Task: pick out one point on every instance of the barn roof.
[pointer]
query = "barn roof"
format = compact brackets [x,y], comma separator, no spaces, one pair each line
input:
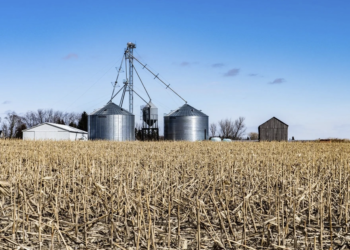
[61,126]
[276,119]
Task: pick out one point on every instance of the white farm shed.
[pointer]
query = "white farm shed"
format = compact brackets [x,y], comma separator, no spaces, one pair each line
[53,131]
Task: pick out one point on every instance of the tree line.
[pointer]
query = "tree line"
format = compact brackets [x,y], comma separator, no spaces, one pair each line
[12,125]
[235,130]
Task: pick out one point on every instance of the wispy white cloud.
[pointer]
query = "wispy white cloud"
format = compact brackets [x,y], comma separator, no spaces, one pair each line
[278,81]
[6,102]
[186,63]
[218,65]
[71,56]
[232,72]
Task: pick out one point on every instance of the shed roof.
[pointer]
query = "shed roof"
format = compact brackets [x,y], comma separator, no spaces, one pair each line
[186,110]
[111,109]
[61,126]
[275,119]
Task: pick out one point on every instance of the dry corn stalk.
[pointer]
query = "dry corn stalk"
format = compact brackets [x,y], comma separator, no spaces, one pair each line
[136,195]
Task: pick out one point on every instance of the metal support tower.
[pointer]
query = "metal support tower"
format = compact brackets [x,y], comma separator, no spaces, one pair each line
[129,55]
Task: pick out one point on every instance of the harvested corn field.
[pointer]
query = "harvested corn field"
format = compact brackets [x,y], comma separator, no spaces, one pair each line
[166,195]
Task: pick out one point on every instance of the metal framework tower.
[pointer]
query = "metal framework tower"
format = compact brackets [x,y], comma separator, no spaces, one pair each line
[129,55]
[129,81]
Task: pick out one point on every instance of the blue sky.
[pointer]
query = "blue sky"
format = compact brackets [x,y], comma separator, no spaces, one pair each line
[256,59]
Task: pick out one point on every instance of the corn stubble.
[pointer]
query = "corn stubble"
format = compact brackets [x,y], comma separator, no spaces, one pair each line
[166,195]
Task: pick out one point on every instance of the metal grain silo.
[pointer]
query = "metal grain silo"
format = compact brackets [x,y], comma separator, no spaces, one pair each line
[187,124]
[150,114]
[111,122]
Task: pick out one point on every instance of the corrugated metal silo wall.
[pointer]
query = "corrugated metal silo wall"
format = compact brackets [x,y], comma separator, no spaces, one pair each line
[92,127]
[111,127]
[186,128]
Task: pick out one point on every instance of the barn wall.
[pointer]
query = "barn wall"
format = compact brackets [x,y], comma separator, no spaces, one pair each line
[28,135]
[78,136]
[273,134]
[52,135]
[46,135]
[48,132]
[273,130]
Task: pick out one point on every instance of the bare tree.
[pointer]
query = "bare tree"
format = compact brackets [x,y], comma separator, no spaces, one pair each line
[19,130]
[213,129]
[41,116]
[31,118]
[226,128]
[71,118]
[57,116]
[12,120]
[4,129]
[13,124]
[49,115]
[253,136]
[230,129]
[239,128]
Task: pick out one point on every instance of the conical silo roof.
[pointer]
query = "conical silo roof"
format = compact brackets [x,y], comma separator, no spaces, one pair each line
[151,105]
[187,110]
[111,109]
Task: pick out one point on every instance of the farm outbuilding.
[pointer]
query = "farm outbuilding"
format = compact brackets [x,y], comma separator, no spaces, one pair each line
[53,131]
[273,130]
